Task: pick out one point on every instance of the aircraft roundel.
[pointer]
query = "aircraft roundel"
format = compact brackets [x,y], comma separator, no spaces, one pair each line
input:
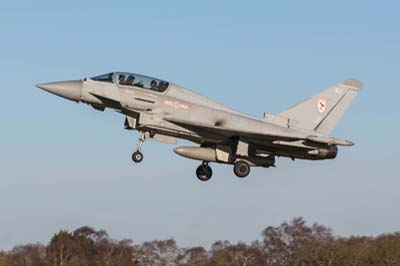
[321,105]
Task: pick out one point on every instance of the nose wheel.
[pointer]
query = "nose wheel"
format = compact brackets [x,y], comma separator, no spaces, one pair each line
[137,156]
[204,172]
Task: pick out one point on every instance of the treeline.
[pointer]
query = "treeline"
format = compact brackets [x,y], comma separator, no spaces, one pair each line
[290,244]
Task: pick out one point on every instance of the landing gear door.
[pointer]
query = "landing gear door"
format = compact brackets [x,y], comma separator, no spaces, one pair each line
[131,122]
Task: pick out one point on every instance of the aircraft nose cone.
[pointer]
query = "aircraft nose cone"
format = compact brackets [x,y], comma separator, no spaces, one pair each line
[71,90]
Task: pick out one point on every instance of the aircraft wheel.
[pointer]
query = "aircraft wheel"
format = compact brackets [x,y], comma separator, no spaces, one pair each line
[204,172]
[241,169]
[137,157]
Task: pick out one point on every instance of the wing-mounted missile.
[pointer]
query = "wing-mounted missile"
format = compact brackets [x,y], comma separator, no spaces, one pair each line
[313,150]
[330,141]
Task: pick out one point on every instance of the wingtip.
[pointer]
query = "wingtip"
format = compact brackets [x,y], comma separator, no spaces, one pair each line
[350,143]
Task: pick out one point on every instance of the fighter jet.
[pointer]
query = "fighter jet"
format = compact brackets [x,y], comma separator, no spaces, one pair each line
[163,111]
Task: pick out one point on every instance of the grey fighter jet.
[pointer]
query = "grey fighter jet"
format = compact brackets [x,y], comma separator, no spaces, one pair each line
[165,112]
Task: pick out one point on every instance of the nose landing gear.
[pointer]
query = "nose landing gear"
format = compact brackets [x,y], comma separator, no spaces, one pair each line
[204,172]
[137,156]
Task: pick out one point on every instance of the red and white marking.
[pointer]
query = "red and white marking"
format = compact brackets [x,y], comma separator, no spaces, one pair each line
[322,105]
[177,105]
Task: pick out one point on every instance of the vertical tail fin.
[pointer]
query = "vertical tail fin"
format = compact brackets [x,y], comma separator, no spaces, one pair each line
[324,110]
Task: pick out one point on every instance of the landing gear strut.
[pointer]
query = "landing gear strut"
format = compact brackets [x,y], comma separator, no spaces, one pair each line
[241,169]
[204,172]
[137,156]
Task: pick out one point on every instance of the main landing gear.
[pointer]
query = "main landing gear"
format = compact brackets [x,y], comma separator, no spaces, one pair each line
[137,156]
[204,172]
[241,169]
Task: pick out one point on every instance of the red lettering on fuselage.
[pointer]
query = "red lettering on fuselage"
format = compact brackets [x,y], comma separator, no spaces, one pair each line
[177,105]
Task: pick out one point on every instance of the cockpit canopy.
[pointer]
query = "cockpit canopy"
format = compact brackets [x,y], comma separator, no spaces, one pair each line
[134,80]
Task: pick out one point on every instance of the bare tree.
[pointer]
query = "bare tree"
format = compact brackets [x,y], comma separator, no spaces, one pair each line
[289,244]
[161,252]
[196,256]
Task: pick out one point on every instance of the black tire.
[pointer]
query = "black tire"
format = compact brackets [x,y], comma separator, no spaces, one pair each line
[204,172]
[137,157]
[241,169]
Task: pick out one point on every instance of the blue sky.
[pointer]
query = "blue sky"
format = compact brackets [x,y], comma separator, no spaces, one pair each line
[63,165]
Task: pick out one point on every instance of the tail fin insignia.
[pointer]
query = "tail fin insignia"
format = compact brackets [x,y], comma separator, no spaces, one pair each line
[321,105]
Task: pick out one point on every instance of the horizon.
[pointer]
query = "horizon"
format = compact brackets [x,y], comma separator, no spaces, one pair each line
[207,247]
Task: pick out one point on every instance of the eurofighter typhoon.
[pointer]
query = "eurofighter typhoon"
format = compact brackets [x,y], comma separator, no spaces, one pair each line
[165,112]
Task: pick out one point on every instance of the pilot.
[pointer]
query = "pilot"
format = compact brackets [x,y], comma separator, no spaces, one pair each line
[130,80]
[153,85]
[161,86]
[121,79]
